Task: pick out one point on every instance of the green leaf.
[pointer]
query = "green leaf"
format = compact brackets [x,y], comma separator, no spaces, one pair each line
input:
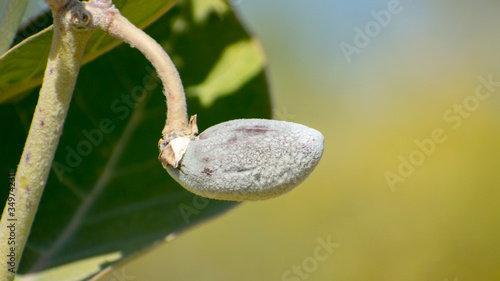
[236,66]
[108,196]
[22,66]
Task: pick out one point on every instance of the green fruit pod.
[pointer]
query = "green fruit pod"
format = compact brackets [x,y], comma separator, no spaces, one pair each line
[249,159]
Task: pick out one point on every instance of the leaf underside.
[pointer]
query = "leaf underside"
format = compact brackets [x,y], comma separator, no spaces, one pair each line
[107,194]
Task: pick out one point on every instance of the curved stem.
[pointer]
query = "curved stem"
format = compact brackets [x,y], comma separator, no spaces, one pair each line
[108,18]
[9,22]
[177,118]
[70,38]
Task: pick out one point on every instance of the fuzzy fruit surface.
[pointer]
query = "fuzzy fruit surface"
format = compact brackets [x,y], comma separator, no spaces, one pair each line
[249,159]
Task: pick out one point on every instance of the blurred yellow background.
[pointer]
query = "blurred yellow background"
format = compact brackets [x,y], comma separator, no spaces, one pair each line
[393,200]
[416,74]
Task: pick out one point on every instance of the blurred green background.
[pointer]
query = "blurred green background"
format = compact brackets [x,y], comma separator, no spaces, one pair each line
[437,218]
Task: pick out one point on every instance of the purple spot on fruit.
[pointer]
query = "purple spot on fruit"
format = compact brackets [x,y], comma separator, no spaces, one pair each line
[207,171]
[232,140]
[42,123]
[255,131]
